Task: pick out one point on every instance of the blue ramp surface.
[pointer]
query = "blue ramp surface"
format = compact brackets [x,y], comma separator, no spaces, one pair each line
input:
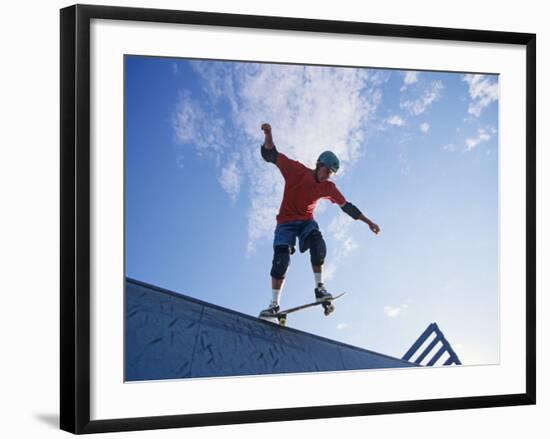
[169,335]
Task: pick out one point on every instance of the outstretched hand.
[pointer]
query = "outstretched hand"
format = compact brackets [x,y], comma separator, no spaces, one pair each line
[374,228]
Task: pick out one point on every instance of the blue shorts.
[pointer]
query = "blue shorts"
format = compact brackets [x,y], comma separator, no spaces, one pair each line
[286,233]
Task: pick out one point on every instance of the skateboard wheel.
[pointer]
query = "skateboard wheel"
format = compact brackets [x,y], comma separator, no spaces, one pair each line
[282,321]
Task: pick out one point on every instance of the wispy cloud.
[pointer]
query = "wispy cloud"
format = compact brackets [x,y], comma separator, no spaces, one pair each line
[482,136]
[230,179]
[394,311]
[310,108]
[410,78]
[425,127]
[404,163]
[194,128]
[339,231]
[342,326]
[483,90]
[391,311]
[395,120]
[451,147]
[427,97]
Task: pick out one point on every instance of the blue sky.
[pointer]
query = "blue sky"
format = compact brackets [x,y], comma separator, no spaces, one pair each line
[419,154]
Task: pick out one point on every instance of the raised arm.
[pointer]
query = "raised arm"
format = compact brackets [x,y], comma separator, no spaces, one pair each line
[269,152]
[268,142]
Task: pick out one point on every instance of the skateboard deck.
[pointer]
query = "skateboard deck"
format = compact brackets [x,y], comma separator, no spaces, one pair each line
[327,305]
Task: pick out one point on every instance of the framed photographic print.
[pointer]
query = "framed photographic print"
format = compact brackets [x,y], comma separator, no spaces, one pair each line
[340,211]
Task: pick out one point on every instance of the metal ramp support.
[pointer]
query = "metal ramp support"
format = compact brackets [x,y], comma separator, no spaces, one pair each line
[439,337]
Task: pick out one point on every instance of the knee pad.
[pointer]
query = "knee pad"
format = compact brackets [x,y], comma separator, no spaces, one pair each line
[317,248]
[281,261]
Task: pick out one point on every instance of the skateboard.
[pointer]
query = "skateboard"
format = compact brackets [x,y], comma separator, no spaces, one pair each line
[327,306]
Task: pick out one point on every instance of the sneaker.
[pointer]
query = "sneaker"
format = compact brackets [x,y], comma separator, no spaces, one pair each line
[321,294]
[270,312]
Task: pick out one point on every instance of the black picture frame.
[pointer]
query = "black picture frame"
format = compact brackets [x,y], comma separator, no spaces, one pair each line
[75,217]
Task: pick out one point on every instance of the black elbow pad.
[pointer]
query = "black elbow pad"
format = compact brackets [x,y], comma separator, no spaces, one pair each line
[269,155]
[351,210]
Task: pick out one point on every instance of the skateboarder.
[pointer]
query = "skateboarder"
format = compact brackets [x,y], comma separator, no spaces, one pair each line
[303,188]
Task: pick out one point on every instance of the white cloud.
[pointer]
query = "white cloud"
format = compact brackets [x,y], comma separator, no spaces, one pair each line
[342,326]
[483,90]
[410,78]
[482,136]
[449,147]
[348,245]
[339,230]
[329,269]
[391,311]
[230,179]
[424,127]
[394,311]
[419,105]
[404,163]
[395,120]
[193,127]
[310,108]
[342,240]
[186,119]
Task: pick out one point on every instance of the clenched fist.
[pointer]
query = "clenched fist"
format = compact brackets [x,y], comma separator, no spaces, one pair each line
[266,128]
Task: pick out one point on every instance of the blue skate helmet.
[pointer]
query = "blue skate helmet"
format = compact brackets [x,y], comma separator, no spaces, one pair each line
[329,159]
